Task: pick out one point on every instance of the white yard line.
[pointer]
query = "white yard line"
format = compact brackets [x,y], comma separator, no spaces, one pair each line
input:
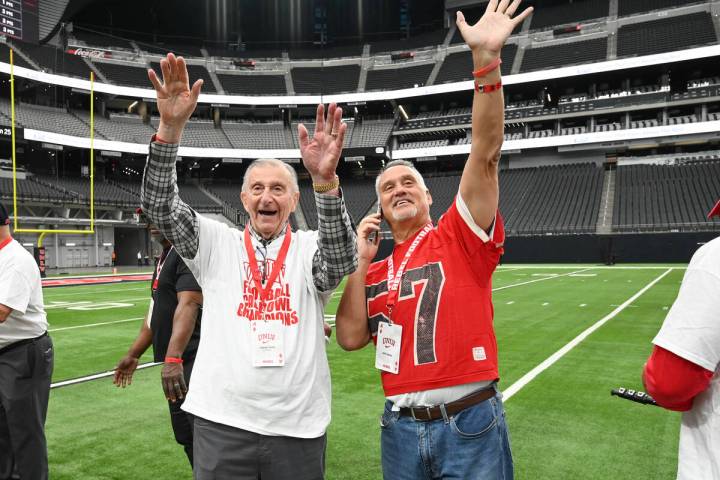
[548,362]
[60,305]
[540,279]
[110,373]
[51,293]
[95,324]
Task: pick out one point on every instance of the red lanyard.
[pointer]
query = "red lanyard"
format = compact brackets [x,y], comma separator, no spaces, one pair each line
[277,266]
[159,267]
[5,242]
[393,281]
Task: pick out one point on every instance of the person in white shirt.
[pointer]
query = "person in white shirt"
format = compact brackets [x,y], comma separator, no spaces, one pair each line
[260,392]
[26,362]
[682,372]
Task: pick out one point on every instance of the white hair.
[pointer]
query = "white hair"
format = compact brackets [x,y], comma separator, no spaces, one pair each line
[263,162]
[400,163]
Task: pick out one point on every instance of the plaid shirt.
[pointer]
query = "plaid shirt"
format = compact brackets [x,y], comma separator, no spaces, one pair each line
[337,249]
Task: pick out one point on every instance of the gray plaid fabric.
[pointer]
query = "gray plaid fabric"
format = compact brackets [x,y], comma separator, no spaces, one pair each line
[162,204]
[337,248]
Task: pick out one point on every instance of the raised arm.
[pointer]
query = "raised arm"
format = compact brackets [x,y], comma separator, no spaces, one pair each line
[159,193]
[479,184]
[337,252]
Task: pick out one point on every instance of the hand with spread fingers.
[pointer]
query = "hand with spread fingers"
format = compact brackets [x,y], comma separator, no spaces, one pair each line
[491,32]
[321,153]
[124,371]
[173,381]
[175,99]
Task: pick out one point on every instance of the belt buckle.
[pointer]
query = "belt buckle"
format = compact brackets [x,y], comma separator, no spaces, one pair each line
[427,411]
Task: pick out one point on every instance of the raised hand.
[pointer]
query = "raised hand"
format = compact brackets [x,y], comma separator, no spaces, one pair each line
[492,30]
[321,154]
[124,371]
[175,99]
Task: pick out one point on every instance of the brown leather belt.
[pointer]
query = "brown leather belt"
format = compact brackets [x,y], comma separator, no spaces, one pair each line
[425,414]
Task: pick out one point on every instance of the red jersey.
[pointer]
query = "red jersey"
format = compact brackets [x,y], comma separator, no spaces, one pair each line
[444,305]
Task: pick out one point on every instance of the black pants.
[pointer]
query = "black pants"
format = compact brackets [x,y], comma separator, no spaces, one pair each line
[182,422]
[25,373]
[223,452]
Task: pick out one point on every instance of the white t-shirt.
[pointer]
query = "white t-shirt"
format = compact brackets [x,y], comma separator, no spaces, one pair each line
[692,331]
[21,290]
[292,400]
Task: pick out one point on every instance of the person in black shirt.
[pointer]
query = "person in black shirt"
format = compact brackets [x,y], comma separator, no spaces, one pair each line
[172,327]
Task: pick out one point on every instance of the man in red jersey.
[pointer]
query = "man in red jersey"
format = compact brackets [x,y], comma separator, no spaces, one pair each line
[428,306]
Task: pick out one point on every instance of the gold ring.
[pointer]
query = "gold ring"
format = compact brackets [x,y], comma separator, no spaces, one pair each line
[334,134]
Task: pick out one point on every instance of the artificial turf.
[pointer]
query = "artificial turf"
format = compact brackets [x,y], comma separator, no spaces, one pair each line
[563,423]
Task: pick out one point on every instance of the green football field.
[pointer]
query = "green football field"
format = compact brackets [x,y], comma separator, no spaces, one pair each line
[567,335]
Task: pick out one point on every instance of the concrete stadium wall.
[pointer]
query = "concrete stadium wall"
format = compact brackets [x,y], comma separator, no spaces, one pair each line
[91,250]
[621,248]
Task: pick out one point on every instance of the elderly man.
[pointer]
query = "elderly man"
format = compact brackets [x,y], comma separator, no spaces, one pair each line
[260,392]
[26,361]
[428,306]
[682,372]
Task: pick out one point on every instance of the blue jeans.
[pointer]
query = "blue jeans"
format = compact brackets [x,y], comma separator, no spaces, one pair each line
[471,445]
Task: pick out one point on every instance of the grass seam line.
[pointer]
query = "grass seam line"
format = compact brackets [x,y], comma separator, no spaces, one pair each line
[548,362]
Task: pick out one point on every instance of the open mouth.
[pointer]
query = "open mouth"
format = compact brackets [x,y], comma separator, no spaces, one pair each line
[402,202]
[267,213]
